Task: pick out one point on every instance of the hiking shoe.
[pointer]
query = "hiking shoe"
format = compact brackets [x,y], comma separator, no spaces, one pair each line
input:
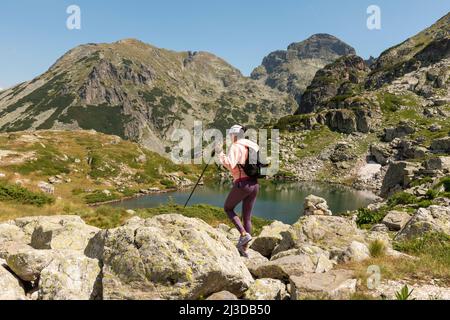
[242,251]
[243,240]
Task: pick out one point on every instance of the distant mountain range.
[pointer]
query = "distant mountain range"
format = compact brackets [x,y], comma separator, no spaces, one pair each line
[142,93]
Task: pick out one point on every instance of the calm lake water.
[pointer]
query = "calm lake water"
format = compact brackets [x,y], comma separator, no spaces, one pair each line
[283,201]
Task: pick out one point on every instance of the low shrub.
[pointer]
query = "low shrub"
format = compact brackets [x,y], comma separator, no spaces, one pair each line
[18,194]
[377,248]
[99,197]
[366,217]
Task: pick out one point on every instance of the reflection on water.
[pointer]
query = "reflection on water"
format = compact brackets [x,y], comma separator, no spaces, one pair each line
[282,201]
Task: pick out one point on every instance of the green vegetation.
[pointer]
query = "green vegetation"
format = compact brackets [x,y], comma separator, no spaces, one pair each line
[390,103]
[210,214]
[432,260]
[105,217]
[377,248]
[294,121]
[404,293]
[99,196]
[108,217]
[366,218]
[435,246]
[48,162]
[316,140]
[20,195]
[445,182]
[102,118]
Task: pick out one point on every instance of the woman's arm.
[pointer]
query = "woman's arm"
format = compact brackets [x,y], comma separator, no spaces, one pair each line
[230,161]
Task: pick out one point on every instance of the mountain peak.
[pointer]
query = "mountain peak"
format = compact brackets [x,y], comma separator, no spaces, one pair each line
[292,70]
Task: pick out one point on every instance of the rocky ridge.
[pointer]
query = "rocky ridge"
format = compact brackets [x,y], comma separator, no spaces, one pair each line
[174,257]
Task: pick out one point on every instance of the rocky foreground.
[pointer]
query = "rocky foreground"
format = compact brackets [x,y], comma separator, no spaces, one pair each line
[175,257]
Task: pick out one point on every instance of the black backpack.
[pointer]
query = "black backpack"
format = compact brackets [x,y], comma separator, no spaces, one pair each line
[253,170]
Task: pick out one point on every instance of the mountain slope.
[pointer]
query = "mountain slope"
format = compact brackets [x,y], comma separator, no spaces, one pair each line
[293,69]
[139,92]
[379,128]
[425,48]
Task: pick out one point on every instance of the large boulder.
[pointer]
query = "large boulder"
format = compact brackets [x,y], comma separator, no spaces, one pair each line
[402,130]
[269,238]
[325,232]
[266,289]
[335,284]
[441,145]
[314,205]
[438,163]
[70,276]
[253,260]
[11,232]
[62,233]
[222,296]
[287,266]
[170,257]
[398,177]
[432,219]
[10,246]
[27,263]
[396,220]
[343,151]
[11,288]
[29,224]
[303,249]
[356,251]
[381,153]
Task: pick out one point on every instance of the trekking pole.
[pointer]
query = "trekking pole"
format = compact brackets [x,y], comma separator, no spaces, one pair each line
[200,178]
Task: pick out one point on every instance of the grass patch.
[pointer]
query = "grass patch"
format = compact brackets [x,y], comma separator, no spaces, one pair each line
[99,196]
[377,248]
[106,217]
[366,218]
[210,214]
[17,194]
[432,252]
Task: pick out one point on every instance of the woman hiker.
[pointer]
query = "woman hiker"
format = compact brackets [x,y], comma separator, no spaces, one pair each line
[245,188]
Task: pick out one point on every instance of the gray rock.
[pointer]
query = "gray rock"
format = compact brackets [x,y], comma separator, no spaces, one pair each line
[398,176]
[222,296]
[171,257]
[396,220]
[335,284]
[284,267]
[27,263]
[379,227]
[11,232]
[11,288]
[432,219]
[402,130]
[441,145]
[324,231]
[438,163]
[60,233]
[269,238]
[356,252]
[254,260]
[381,153]
[314,205]
[70,276]
[266,289]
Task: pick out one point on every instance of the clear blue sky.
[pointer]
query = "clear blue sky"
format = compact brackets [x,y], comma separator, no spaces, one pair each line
[33,34]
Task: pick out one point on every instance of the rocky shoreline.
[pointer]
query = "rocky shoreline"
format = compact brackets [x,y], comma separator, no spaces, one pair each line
[174,257]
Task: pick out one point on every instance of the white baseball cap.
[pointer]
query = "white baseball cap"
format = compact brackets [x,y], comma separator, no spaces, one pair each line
[236,129]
